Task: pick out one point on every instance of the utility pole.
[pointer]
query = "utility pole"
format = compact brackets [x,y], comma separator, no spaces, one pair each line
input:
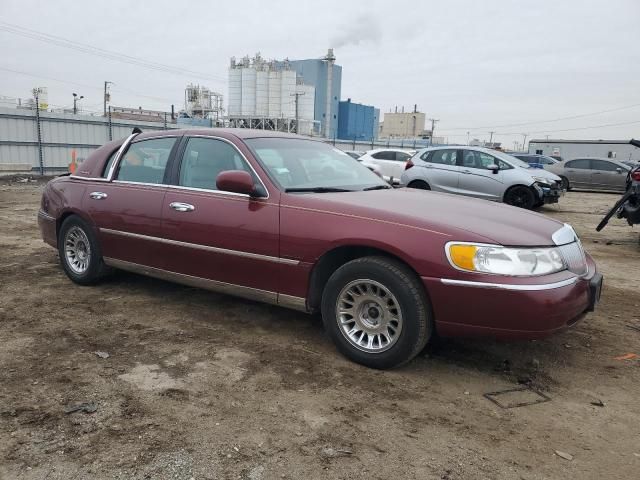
[297,95]
[468,137]
[433,129]
[75,102]
[491,138]
[36,94]
[524,142]
[107,95]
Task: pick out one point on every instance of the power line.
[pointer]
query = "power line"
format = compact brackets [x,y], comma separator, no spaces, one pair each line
[91,50]
[548,121]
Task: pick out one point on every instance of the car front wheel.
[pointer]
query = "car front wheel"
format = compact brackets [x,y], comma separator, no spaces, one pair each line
[79,252]
[520,196]
[564,184]
[377,312]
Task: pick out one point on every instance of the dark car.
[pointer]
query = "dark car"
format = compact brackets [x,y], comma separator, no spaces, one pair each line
[250,213]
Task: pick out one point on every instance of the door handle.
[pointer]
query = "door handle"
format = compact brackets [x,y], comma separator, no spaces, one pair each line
[466,171]
[98,195]
[596,173]
[182,207]
[428,165]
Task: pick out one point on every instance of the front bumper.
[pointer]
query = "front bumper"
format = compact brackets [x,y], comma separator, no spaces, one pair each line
[549,194]
[512,311]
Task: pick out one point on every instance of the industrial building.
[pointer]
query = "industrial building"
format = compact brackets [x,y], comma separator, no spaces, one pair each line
[403,124]
[270,95]
[567,149]
[357,122]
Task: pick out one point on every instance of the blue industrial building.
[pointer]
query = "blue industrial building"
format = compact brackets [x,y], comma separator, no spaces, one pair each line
[325,76]
[357,122]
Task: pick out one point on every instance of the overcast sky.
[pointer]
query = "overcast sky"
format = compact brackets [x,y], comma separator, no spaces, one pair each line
[476,66]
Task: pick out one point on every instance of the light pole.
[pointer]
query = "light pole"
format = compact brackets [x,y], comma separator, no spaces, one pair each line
[75,102]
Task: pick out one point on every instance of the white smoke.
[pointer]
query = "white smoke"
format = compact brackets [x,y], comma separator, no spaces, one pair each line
[363,29]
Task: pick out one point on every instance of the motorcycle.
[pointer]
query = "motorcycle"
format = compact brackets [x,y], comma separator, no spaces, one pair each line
[628,207]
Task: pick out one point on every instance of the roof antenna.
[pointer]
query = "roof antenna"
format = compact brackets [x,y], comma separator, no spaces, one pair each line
[136,130]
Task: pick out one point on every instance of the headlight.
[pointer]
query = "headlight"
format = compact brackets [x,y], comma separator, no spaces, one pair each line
[524,262]
[544,181]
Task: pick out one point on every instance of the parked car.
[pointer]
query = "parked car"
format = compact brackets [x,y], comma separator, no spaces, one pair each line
[630,163]
[482,173]
[535,160]
[557,157]
[592,173]
[390,160]
[291,221]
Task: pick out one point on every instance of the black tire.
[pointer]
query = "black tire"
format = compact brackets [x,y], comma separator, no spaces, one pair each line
[405,288]
[95,267]
[420,184]
[520,196]
[564,183]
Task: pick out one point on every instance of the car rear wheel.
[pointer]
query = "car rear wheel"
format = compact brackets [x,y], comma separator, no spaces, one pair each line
[564,183]
[79,252]
[520,196]
[376,311]
[419,184]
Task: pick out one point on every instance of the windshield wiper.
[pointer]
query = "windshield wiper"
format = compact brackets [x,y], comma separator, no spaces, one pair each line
[377,187]
[317,189]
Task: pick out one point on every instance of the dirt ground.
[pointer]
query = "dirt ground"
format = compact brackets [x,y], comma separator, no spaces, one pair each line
[204,386]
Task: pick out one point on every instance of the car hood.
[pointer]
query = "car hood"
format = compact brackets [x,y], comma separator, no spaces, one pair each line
[542,173]
[459,218]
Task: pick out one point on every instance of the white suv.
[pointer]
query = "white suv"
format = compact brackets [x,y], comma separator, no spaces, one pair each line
[481,173]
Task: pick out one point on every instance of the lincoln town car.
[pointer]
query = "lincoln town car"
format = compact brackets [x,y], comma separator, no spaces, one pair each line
[295,222]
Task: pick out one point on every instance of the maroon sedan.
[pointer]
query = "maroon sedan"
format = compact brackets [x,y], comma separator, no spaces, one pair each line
[295,222]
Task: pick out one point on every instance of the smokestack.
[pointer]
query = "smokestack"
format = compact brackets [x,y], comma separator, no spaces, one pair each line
[330,59]
[396,108]
[415,108]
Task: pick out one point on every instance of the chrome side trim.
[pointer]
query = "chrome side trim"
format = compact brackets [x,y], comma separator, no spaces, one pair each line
[238,253]
[294,303]
[116,161]
[46,216]
[198,282]
[564,235]
[507,286]
[93,179]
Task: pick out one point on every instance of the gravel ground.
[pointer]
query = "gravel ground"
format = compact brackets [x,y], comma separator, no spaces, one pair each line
[204,386]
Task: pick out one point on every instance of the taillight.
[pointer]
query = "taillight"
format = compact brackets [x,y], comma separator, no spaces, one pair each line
[635,175]
[408,165]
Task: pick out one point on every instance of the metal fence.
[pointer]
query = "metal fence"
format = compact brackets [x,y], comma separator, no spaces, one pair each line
[46,141]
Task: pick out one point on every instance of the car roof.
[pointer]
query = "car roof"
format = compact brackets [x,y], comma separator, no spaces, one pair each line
[241,133]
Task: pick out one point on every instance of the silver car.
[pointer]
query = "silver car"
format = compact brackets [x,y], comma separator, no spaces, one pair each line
[481,173]
[592,173]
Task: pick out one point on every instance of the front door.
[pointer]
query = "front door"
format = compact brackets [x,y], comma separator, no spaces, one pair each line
[608,175]
[476,179]
[215,235]
[127,211]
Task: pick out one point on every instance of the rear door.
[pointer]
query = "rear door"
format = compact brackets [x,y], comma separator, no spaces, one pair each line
[400,164]
[216,235]
[608,175]
[476,180]
[441,169]
[127,211]
[578,171]
[386,160]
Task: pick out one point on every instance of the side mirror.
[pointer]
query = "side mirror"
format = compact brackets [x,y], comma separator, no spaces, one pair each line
[494,168]
[619,170]
[236,181]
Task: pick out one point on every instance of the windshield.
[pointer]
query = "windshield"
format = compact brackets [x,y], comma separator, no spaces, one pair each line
[298,164]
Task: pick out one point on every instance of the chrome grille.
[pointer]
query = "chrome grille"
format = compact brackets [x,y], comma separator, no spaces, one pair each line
[573,255]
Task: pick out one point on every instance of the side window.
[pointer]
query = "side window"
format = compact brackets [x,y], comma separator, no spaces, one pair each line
[582,164]
[107,167]
[503,165]
[475,159]
[145,161]
[425,155]
[204,159]
[603,166]
[402,157]
[444,157]
[384,155]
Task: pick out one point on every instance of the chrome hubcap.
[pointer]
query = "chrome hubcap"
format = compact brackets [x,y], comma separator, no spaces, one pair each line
[369,316]
[77,250]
